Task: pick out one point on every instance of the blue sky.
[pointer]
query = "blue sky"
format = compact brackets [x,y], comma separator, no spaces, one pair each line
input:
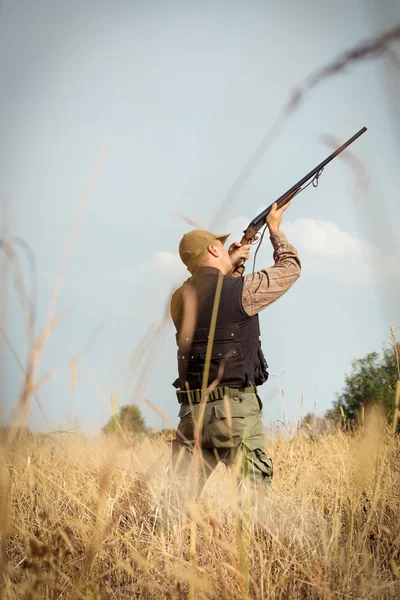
[181,94]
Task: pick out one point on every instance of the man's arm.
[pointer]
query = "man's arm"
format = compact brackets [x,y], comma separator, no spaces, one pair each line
[264,287]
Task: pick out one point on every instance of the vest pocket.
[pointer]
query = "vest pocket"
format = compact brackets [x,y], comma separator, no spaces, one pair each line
[226,362]
[225,365]
[221,351]
[261,372]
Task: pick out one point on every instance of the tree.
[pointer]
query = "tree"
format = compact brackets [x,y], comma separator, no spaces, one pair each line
[313,425]
[165,434]
[371,381]
[128,420]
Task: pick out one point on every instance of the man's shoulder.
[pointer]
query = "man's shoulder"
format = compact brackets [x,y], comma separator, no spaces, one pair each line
[232,283]
[178,292]
[177,298]
[187,290]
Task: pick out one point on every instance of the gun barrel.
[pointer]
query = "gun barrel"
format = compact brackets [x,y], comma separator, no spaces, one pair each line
[257,223]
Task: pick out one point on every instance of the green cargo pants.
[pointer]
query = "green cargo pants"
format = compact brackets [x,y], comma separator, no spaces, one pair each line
[232,431]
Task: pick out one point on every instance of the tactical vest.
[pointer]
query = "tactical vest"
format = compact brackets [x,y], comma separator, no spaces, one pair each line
[236,356]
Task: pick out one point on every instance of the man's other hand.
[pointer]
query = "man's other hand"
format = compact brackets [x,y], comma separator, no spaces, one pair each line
[238,254]
[274,217]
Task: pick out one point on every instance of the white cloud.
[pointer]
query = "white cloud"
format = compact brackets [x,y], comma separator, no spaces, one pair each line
[166,260]
[325,250]
[316,237]
[125,275]
[325,239]
[165,263]
[169,265]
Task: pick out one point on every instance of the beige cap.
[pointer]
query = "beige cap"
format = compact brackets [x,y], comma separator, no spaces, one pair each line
[193,243]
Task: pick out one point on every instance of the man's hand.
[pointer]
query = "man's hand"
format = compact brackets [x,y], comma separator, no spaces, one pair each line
[238,254]
[274,217]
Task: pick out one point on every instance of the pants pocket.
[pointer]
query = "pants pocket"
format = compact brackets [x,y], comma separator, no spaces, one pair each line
[260,468]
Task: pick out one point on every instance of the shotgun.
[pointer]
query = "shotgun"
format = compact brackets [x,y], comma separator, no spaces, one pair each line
[256,224]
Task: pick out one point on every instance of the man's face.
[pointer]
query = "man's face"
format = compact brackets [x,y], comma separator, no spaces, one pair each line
[226,264]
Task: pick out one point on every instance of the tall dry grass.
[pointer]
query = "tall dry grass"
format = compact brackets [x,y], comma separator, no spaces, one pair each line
[78,517]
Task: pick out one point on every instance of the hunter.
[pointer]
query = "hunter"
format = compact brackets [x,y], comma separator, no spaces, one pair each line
[220,408]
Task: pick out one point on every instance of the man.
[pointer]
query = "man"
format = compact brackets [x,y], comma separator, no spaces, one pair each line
[220,361]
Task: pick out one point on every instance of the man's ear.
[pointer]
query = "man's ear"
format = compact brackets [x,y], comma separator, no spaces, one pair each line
[213,250]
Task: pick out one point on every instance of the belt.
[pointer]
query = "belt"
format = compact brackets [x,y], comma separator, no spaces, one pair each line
[194,396]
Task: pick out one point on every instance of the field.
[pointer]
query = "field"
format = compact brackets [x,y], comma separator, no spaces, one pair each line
[78,518]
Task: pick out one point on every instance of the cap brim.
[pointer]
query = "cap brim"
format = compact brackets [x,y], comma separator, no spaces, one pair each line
[222,238]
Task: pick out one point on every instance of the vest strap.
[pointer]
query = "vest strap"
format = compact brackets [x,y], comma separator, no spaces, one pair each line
[194,396]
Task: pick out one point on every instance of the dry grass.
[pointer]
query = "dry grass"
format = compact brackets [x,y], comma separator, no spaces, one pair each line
[77,515]
[78,518]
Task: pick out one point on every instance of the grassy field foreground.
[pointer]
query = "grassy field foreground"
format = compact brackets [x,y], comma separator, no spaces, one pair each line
[77,522]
